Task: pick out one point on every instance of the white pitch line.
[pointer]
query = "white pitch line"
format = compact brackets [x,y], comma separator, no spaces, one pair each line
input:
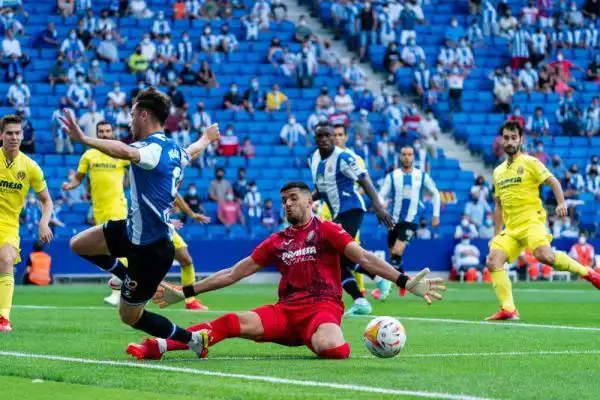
[421,319]
[259,378]
[541,353]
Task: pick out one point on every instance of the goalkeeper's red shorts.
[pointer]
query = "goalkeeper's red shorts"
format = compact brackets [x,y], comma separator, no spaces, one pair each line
[295,324]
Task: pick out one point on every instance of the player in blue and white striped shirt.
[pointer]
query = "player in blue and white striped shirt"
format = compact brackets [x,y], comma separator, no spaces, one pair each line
[335,173]
[405,187]
[144,238]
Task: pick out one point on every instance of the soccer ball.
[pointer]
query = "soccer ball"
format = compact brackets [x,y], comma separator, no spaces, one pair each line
[385,337]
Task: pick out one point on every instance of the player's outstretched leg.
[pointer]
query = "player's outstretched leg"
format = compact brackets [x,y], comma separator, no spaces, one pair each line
[328,342]
[247,325]
[91,245]
[188,275]
[502,286]
[8,255]
[561,261]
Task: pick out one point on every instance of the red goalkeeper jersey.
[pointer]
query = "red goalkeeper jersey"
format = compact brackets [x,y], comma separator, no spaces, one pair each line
[308,259]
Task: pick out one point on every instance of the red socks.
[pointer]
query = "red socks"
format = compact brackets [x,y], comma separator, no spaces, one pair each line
[227,326]
[337,353]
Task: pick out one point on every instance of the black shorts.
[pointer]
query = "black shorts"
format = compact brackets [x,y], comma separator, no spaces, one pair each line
[402,231]
[148,264]
[351,220]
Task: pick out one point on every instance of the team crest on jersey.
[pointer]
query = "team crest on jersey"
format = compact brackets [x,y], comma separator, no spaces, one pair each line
[310,236]
[21,175]
[520,170]
[330,168]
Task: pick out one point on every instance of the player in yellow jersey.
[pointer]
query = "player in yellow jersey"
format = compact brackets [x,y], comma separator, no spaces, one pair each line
[340,138]
[519,210]
[106,175]
[18,173]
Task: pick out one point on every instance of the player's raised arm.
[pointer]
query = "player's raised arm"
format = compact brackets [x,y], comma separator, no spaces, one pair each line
[419,286]
[561,206]
[113,148]
[167,295]
[210,135]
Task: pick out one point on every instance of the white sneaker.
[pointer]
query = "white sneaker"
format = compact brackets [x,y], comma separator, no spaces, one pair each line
[115,283]
[199,343]
[114,299]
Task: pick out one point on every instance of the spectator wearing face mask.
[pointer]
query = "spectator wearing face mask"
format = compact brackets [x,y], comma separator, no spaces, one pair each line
[233,100]
[201,119]
[557,167]
[253,205]
[254,97]
[583,252]
[79,93]
[476,208]
[466,227]
[193,200]
[229,143]
[539,152]
[503,93]
[454,33]
[429,130]
[519,44]
[475,35]
[303,31]
[276,100]
[240,186]
[107,49]
[455,81]
[593,182]
[487,230]
[566,229]
[61,139]
[229,211]
[466,256]
[412,54]
[537,124]
[423,232]
[464,55]
[363,126]
[391,61]
[219,187]
[528,78]
[270,218]
[410,16]
[292,132]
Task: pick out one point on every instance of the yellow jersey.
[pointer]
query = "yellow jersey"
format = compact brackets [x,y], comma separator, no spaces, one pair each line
[325,212]
[106,181]
[15,180]
[517,187]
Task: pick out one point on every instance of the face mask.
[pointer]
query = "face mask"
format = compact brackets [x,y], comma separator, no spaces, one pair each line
[417,146]
[255,85]
[253,189]
[19,80]
[517,113]
[93,108]
[385,10]
[161,17]
[220,177]
[422,66]
[234,90]
[10,15]
[465,222]
[555,163]
[489,221]
[108,37]
[567,224]
[229,132]
[465,241]
[192,192]
[454,24]
[73,36]
[229,197]
[31,200]
[540,149]
[455,71]
[117,89]
[423,225]
[292,121]
[560,57]
[207,32]
[80,80]
[574,170]
[146,40]
[463,44]
[167,41]
[155,65]
[582,240]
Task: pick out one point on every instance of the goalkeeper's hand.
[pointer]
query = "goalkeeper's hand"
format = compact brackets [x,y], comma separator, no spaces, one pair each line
[426,288]
[166,295]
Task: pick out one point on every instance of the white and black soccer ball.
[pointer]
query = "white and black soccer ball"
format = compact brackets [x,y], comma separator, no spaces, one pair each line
[385,337]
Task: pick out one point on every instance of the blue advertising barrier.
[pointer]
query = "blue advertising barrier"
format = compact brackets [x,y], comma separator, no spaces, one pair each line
[212,255]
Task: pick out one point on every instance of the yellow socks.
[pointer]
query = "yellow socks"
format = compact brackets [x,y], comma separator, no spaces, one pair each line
[188,277]
[503,289]
[563,262]
[360,281]
[7,287]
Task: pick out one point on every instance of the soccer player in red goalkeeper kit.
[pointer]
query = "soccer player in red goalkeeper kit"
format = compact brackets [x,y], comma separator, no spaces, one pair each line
[310,308]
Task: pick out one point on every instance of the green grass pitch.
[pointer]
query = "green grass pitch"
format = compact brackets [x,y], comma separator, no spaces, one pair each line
[68,345]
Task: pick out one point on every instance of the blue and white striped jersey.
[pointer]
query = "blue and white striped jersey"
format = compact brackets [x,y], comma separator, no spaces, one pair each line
[154,183]
[335,178]
[406,192]
[520,43]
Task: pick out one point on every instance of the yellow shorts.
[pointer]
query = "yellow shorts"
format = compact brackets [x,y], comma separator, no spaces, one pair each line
[178,241]
[513,241]
[11,238]
[101,217]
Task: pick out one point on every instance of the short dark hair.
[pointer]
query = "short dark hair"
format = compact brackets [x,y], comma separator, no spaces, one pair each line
[103,122]
[10,119]
[323,125]
[295,185]
[337,126]
[219,169]
[512,126]
[154,101]
[38,245]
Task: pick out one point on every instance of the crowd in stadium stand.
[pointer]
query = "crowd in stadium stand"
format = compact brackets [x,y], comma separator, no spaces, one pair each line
[540,41]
